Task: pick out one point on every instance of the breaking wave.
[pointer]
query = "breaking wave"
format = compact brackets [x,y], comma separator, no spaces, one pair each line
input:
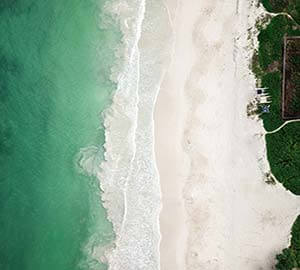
[128,175]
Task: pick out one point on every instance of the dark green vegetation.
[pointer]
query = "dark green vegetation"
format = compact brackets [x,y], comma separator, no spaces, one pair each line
[292,7]
[283,154]
[289,259]
[268,70]
[291,95]
[269,66]
[283,147]
[54,67]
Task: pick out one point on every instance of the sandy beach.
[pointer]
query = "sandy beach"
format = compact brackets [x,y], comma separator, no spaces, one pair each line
[217,210]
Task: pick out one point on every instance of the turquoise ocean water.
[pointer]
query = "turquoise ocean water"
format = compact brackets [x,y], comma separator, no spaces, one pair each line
[55,62]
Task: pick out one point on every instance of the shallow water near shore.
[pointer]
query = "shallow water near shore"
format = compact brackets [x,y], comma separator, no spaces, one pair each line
[55,63]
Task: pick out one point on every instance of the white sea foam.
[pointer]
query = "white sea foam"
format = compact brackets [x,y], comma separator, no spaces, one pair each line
[128,176]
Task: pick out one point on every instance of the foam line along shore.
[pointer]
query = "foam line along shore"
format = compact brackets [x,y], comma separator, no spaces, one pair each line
[128,177]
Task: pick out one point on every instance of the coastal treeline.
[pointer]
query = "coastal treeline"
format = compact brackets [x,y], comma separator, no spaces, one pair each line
[268,66]
[289,259]
[283,146]
[291,7]
[283,150]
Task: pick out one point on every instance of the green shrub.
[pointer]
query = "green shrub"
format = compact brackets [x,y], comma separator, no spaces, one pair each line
[290,257]
[283,151]
[270,52]
[291,7]
[283,147]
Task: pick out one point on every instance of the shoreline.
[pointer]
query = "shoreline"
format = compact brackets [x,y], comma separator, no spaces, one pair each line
[217,211]
[129,178]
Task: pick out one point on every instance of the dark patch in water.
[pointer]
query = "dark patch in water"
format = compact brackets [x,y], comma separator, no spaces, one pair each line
[16,7]
[5,138]
[8,71]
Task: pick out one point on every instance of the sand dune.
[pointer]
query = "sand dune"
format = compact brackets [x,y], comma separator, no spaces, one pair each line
[218,212]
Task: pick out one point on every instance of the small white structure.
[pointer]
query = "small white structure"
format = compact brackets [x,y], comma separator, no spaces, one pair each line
[262,95]
[264,99]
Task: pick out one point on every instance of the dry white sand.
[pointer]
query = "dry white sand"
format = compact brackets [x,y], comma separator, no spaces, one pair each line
[218,213]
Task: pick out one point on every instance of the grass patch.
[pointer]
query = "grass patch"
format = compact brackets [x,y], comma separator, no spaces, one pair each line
[271,39]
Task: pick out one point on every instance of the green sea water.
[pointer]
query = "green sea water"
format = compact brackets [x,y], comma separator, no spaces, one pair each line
[55,62]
